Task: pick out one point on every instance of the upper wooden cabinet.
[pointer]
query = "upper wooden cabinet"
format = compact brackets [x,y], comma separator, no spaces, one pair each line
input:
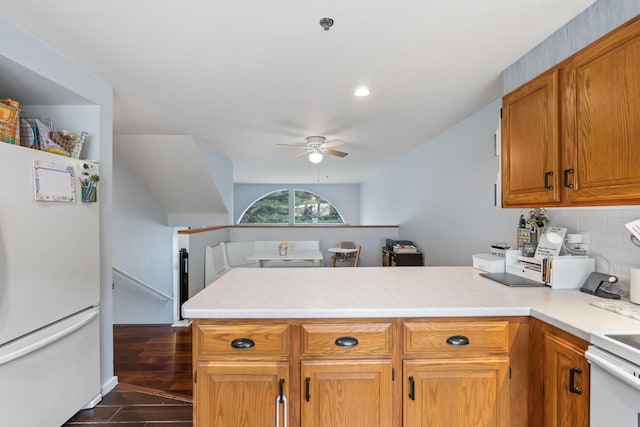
[570,137]
[530,143]
[602,129]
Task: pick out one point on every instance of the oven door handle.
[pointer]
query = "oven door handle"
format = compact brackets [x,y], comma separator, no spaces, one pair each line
[613,369]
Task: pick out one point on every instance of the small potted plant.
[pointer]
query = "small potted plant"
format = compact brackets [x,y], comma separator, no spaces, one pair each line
[89,184]
[282,248]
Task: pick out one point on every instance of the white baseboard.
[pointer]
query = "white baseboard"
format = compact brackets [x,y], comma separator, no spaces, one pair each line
[93,402]
[181,323]
[109,385]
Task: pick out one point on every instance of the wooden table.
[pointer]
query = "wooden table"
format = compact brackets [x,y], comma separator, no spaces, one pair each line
[315,256]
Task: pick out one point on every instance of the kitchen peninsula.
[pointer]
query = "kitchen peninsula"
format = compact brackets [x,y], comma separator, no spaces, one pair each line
[379,347]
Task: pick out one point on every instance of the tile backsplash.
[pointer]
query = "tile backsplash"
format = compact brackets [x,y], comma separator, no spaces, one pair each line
[606,236]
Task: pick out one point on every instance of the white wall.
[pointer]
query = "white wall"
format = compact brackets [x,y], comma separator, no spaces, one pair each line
[221,171]
[142,247]
[444,198]
[345,197]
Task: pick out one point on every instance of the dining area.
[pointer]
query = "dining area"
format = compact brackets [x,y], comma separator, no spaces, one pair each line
[300,253]
[276,254]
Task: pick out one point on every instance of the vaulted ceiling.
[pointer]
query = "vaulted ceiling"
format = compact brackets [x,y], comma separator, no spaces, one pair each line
[244,76]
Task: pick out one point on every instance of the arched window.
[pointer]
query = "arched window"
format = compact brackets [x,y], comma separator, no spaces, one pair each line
[309,208]
[272,208]
[304,207]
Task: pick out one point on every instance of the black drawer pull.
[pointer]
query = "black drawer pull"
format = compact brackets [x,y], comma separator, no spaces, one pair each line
[458,340]
[347,342]
[572,384]
[546,180]
[412,391]
[307,394]
[566,178]
[242,343]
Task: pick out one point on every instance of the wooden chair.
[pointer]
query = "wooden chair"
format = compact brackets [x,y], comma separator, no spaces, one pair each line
[355,255]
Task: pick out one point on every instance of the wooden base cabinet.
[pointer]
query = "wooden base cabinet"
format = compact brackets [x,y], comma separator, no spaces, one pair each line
[347,393]
[473,392]
[242,394]
[566,379]
[560,376]
[435,372]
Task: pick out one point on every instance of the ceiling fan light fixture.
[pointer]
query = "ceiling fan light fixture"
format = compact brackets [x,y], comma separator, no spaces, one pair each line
[315,157]
[361,91]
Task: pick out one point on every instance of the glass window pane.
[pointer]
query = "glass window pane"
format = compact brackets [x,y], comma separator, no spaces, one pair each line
[272,208]
[313,209]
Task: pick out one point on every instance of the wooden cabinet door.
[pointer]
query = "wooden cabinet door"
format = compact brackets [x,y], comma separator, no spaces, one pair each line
[531,144]
[346,393]
[241,394]
[603,130]
[456,392]
[566,384]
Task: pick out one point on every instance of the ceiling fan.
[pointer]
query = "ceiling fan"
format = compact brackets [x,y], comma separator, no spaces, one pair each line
[316,146]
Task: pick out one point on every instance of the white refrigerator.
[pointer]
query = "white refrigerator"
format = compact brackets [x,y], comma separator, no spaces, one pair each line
[49,289]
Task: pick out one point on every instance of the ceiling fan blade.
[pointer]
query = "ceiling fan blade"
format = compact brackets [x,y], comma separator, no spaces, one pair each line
[302,153]
[335,152]
[292,145]
[332,143]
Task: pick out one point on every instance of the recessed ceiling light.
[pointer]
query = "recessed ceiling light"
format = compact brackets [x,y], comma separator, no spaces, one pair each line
[361,91]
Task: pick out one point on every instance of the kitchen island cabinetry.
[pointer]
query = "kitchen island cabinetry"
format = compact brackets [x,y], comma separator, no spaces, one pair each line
[401,319]
[233,393]
[356,372]
[560,397]
[346,393]
[458,392]
[241,373]
[456,372]
[569,135]
[346,372]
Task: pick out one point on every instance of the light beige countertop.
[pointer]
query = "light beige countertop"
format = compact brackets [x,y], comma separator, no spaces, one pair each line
[272,293]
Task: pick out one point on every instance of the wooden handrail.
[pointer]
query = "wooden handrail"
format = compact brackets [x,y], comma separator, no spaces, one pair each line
[317,226]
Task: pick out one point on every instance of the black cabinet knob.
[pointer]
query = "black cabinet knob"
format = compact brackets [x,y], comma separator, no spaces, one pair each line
[242,343]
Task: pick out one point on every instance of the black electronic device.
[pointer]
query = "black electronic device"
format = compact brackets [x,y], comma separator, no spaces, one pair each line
[593,285]
[513,280]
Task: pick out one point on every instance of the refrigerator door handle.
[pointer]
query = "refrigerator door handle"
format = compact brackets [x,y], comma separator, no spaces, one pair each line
[6,358]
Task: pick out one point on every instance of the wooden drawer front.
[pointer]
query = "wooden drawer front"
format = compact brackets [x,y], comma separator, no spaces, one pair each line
[372,339]
[431,337]
[268,340]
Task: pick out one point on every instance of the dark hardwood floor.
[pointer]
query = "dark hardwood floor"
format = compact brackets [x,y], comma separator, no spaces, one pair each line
[153,366]
[153,356]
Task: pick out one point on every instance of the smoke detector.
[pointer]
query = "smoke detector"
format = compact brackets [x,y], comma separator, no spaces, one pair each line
[326,23]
